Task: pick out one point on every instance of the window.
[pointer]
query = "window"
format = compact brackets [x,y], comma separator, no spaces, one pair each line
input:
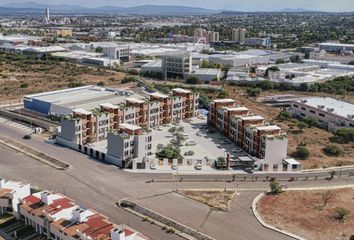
[312,111]
[303,108]
[321,114]
[295,105]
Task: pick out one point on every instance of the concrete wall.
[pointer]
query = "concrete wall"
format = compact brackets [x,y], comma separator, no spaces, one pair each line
[68,130]
[115,145]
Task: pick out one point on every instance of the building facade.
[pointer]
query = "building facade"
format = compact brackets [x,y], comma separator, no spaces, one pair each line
[177,65]
[252,133]
[330,113]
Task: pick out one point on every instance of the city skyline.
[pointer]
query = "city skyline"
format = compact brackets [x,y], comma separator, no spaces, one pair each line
[251,5]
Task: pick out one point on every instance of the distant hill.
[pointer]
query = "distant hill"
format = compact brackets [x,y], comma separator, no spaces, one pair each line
[141,10]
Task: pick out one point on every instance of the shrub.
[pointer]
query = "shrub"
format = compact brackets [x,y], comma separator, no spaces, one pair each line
[311,121]
[24,85]
[340,214]
[302,125]
[333,150]
[253,92]
[344,135]
[301,153]
[275,188]
[193,80]
[101,83]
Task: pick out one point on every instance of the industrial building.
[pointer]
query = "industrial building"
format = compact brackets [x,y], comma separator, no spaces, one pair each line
[252,133]
[336,47]
[330,113]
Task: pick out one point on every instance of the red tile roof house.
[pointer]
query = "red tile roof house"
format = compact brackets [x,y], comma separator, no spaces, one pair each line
[58,217]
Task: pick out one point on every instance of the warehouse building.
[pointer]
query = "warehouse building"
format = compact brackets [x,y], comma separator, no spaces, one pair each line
[330,113]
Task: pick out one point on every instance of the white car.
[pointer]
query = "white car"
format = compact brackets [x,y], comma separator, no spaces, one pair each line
[237,150]
[153,166]
[173,166]
[198,166]
[191,143]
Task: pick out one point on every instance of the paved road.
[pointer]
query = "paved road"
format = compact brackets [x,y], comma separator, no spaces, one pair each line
[99,186]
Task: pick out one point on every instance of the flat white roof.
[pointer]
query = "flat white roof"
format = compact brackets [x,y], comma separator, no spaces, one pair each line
[181,90]
[336,44]
[291,161]
[129,126]
[225,100]
[157,94]
[82,111]
[109,105]
[237,109]
[135,100]
[271,127]
[256,117]
[339,107]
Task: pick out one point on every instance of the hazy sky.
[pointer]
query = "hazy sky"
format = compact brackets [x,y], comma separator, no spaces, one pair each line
[242,5]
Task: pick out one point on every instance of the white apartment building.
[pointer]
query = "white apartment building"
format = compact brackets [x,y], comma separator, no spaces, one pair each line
[122,53]
[11,194]
[128,145]
[330,113]
[177,65]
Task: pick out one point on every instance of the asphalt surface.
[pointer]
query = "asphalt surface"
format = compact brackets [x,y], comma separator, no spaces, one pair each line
[97,185]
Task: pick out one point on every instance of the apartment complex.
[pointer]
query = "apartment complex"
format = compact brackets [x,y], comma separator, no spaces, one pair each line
[58,217]
[252,133]
[239,35]
[209,36]
[177,65]
[330,113]
[156,109]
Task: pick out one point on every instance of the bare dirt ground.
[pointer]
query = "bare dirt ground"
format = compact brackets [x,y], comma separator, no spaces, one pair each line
[215,199]
[303,213]
[20,76]
[315,138]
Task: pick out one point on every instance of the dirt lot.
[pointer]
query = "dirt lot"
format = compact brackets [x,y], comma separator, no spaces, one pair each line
[303,213]
[20,75]
[215,199]
[315,138]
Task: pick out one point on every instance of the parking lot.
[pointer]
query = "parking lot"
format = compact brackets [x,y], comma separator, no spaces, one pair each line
[201,145]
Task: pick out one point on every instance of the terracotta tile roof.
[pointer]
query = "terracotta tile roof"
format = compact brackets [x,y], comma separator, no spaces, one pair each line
[4,191]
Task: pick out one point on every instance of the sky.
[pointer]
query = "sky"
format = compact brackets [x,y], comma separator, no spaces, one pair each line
[238,5]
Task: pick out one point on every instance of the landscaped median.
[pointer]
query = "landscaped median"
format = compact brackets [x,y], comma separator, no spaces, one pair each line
[53,162]
[309,213]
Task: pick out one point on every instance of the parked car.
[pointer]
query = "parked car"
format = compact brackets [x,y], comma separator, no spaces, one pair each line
[189,153]
[153,166]
[174,166]
[27,137]
[237,150]
[198,166]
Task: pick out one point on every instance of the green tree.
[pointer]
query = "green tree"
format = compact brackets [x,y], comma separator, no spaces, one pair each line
[275,188]
[253,92]
[193,80]
[344,135]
